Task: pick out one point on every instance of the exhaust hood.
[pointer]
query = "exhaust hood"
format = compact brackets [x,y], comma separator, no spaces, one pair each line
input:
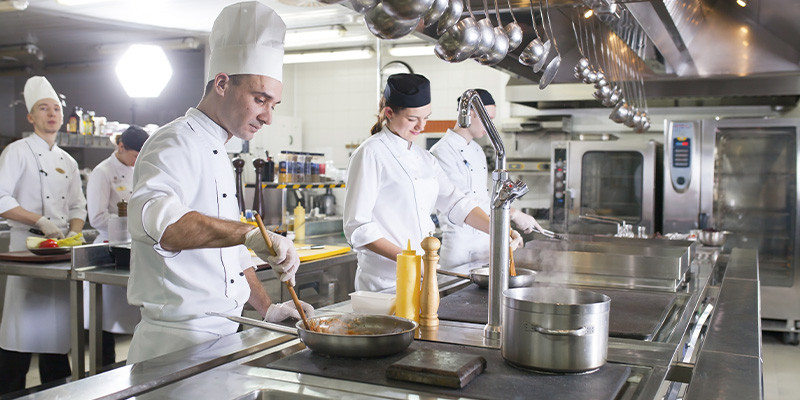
[699,52]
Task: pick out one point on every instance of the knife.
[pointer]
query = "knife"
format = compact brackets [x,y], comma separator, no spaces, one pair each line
[311,247]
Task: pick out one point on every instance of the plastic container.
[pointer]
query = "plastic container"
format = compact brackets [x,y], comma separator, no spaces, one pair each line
[372,302]
[409,273]
[285,168]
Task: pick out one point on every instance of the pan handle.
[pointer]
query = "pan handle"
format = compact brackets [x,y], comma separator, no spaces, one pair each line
[451,273]
[254,322]
[582,331]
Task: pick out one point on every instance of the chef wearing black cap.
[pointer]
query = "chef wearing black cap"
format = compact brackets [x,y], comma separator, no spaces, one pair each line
[393,186]
[464,162]
[110,183]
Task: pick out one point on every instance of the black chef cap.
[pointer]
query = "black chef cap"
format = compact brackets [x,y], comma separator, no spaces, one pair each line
[485,96]
[133,138]
[407,90]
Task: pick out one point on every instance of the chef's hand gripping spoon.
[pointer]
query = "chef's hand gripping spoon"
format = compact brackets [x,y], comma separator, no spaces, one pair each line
[288,283]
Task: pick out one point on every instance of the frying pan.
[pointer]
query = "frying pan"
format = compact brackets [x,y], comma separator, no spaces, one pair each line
[480,277]
[346,335]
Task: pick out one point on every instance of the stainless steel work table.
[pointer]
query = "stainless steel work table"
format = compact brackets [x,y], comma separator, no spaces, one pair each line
[93,264]
[233,367]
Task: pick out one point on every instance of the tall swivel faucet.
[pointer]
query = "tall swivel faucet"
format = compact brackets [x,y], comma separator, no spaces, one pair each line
[504,191]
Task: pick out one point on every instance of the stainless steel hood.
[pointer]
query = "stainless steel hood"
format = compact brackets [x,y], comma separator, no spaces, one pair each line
[700,52]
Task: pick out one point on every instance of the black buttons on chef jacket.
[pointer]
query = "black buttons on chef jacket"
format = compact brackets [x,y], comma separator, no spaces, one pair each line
[231,280]
[215,152]
[241,273]
[224,195]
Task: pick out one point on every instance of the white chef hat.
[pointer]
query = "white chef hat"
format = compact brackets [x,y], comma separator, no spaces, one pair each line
[247,38]
[37,88]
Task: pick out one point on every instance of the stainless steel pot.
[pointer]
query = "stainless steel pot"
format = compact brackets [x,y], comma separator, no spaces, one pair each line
[555,329]
[346,335]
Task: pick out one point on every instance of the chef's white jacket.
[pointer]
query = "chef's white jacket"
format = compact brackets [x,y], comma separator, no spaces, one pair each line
[465,165]
[183,167]
[391,192]
[110,182]
[45,181]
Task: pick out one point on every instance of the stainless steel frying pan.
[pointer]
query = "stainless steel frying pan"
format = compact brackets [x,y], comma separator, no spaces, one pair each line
[346,335]
[480,277]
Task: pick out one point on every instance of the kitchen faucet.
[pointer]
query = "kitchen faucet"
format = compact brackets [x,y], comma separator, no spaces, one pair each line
[504,191]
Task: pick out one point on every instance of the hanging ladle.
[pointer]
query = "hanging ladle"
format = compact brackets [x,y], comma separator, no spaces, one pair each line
[535,51]
[552,67]
[513,30]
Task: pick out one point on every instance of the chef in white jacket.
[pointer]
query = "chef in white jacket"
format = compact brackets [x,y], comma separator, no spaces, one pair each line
[187,253]
[464,162]
[393,187]
[40,188]
[109,183]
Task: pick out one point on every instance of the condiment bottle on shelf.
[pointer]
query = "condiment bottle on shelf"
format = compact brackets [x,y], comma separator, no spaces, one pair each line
[409,271]
[299,223]
[429,297]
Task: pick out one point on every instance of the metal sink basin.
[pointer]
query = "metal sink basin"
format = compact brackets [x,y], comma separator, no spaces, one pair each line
[626,263]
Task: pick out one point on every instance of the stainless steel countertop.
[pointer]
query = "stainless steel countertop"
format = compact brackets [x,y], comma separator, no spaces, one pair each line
[229,368]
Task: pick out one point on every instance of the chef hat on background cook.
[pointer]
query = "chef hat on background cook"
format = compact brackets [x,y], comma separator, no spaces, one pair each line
[37,88]
[407,90]
[486,97]
[247,38]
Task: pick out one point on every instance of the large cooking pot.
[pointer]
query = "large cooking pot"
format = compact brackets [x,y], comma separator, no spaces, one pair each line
[555,329]
[346,335]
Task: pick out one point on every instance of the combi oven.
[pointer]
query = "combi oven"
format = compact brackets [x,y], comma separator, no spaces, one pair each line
[741,176]
[619,179]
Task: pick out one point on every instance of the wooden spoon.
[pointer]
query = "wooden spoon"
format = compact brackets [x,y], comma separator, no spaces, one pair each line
[288,283]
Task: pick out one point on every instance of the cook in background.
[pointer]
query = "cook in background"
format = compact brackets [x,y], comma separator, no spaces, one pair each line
[393,187]
[464,162]
[110,183]
[40,188]
[188,253]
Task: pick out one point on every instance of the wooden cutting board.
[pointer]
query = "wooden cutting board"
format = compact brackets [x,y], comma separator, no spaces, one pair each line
[27,256]
[316,254]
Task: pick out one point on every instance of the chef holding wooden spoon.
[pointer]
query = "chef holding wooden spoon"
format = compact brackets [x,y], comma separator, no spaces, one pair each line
[187,257]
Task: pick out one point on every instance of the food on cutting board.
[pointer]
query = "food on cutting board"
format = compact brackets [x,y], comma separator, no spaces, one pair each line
[35,242]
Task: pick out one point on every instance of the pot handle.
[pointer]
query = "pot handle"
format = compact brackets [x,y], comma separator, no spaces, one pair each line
[582,331]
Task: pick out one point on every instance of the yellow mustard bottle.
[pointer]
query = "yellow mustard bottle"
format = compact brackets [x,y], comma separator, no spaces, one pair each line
[299,223]
[409,272]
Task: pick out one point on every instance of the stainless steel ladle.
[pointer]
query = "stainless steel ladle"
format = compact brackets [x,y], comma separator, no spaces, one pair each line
[552,67]
[535,51]
[513,30]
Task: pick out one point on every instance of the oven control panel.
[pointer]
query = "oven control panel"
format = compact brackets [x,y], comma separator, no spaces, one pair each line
[558,169]
[682,140]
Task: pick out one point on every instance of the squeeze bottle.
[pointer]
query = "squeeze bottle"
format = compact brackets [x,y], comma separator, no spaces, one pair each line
[409,272]
[299,223]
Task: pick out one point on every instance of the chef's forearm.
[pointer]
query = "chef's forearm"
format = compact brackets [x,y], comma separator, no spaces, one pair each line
[479,220]
[197,231]
[76,225]
[259,298]
[22,215]
[385,248]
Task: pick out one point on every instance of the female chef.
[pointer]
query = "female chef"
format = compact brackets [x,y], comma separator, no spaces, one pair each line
[464,162]
[40,188]
[110,183]
[393,187]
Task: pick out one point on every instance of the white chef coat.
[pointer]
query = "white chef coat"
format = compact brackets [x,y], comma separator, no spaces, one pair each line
[109,183]
[45,181]
[183,167]
[391,192]
[465,165]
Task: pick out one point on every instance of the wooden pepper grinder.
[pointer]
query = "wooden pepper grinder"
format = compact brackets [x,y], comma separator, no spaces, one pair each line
[238,166]
[258,205]
[429,298]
